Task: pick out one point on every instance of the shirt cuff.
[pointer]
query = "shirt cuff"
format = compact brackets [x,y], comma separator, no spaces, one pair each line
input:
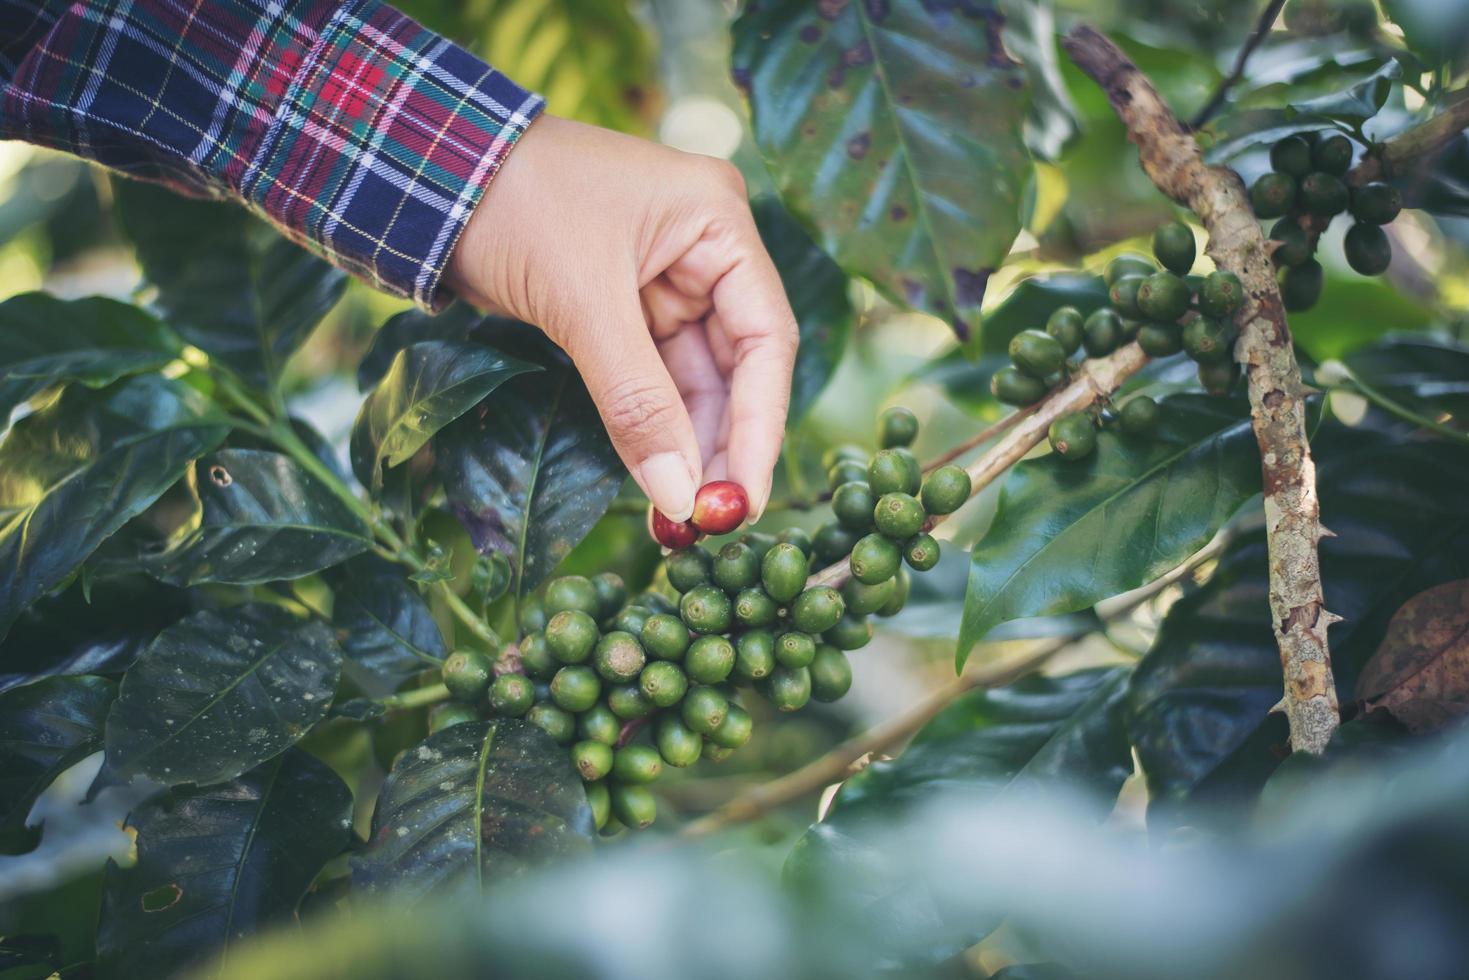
[382,144]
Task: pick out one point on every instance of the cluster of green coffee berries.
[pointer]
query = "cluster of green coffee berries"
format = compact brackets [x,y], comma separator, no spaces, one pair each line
[1305,190]
[1165,310]
[634,686]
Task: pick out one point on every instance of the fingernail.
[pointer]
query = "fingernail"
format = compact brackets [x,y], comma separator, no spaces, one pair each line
[667,480]
[758,510]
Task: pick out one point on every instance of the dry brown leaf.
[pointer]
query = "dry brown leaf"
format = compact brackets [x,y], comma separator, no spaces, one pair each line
[1420,672]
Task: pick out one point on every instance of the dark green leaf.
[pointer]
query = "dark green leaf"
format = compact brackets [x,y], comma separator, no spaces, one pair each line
[429,385]
[220,692]
[1030,35]
[46,341]
[531,470]
[1429,373]
[237,292]
[474,802]
[75,472]
[1438,30]
[217,865]
[264,519]
[1355,104]
[817,289]
[1040,733]
[46,728]
[867,114]
[1199,699]
[408,328]
[1070,533]
[385,627]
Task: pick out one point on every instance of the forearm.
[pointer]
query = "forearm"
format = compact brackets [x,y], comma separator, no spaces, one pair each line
[348,125]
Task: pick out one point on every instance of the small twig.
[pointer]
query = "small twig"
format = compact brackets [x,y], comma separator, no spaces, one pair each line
[1171,158]
[1389,158]
[416,698]
[1094,381]
[979,438]
[1258,35]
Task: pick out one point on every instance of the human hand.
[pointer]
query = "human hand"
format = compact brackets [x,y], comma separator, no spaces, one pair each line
[643,263]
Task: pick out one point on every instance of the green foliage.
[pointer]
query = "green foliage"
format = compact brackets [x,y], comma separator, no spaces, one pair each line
[45,729]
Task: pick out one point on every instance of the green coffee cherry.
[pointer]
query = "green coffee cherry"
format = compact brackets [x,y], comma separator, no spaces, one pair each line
[599,724]
[448,714]
[852,505]
[1219,378]
[611,593]
[1174,246]
[1295,245]
[1163,296]
[1123,295]
[902,583]
[535,657]
[560,725]
[634,765]
[1291,155]
[831,673]
[575,688]
[754,655]
[706,609]
[1160,339]
[512,695]
[1073,436]
[714,752]
[894,471]
[663,683]
[832,542]
[846,471]
[846,452]
[817,610]
[921,552]
[736,567]
[1273,195]
[1139,416]
[1037,353]
[874,559]
[1367,248]
[1332,155]
[796,536]
[899,515]
[1011,387]
[593,760]
[704,709]
[1300,286]
[1208,340]
[735,730]
[635,806]
[784,571]
[467,674]
[1103,332]
[532,615]
[852,632]
[753,608]
[788,688]
[1128,265]
[709,660]
[571,635]
[1376,203]
[897,426]
[1222,294]
[688,568]
[601,803]
[619,657]
[571,592]
[665,637]
[627,701]
[862,599]
[631,619]
[794,649]
[946,489]
[1064,324]
[679,746]
[1324,195]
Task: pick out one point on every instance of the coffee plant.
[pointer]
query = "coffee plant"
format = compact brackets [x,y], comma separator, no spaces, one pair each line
[1108,617]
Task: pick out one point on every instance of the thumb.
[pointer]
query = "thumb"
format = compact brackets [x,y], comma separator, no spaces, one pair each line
[642,409]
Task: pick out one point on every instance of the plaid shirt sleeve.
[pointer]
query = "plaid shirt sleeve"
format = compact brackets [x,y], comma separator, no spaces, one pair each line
[352,128]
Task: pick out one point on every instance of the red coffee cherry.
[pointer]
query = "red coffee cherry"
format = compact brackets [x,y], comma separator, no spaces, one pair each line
[720,507]
[671,534]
